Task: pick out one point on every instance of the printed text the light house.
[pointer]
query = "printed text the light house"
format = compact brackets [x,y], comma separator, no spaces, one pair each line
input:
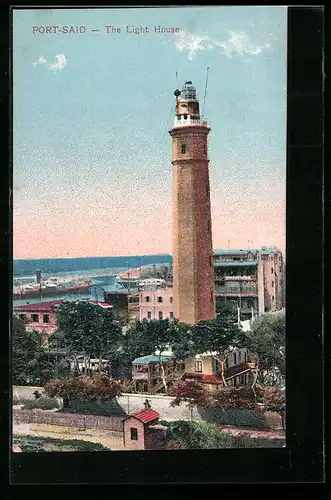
[193,269]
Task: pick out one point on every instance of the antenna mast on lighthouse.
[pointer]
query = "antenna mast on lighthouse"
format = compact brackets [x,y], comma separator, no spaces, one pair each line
[204,98]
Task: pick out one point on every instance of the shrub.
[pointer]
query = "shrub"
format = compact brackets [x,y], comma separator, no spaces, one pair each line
[197,435]
[29,443]
[41,403]
[97,386]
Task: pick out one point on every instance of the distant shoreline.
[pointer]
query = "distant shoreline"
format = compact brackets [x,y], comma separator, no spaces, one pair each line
[28,267]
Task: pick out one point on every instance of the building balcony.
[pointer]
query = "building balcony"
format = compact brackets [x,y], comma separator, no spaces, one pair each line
[236,292]
[133,307]
[235,278]
[188,122]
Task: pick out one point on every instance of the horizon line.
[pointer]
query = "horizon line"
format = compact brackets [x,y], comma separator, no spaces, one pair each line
[148,255]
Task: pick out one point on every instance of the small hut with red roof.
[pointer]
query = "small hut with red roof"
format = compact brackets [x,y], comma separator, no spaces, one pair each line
[141,431]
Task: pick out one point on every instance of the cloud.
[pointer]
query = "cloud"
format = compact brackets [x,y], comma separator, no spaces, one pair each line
[41,60]
[191,43]
[238,43]
[60,64]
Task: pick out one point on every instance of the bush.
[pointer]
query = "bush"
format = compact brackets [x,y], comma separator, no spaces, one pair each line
[97,386]
[29,443]
[197,435]
[248,442]
[41,403]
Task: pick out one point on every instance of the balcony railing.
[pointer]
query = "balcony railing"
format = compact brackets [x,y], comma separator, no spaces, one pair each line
[236,291]
[188,122]
[234,278]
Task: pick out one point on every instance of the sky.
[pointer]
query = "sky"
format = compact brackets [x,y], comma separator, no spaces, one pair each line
[92,173]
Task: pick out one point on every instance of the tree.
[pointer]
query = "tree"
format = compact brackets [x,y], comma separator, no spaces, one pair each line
[86,329]
[98,386]
[29,363]
[266,341]
[193,393]
[235,397]
[217,336]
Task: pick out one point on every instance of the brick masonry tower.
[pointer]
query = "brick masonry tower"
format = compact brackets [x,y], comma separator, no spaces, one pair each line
[192,250]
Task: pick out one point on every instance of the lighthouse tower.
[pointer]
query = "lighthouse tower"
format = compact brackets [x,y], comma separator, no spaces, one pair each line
[192,250]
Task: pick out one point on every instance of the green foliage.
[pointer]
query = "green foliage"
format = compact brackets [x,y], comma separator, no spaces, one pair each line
[218,335]
[29,363]
[267,341]
[29,443]
[41,403]
[196,435]
[85,328]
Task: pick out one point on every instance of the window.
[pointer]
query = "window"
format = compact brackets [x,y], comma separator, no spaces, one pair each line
[183,149]
[198,366]
[234,358]
[160,315]
[205,149]
[273,298]
[272,284]
[171,300]
[35,318]
[211,297]
[160,299]
[171,314]
[272,270]
[148,299]
[46,318]
[185,117]
[22,316]
[149,315]
[245,356]
[249,303]
[134,433]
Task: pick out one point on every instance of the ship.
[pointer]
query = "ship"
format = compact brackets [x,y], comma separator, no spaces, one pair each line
[52,287]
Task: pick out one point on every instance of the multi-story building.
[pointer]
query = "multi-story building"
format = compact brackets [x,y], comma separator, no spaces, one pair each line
[156,302]
[133,308]
[250,280]
[204,368]
[41,317]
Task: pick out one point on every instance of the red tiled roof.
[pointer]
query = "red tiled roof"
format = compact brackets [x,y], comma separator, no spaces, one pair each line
[146,415]
[105,305]
[40,306]
[203,378]
[46,306]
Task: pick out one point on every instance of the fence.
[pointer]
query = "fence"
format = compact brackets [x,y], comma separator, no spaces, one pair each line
[68,419]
